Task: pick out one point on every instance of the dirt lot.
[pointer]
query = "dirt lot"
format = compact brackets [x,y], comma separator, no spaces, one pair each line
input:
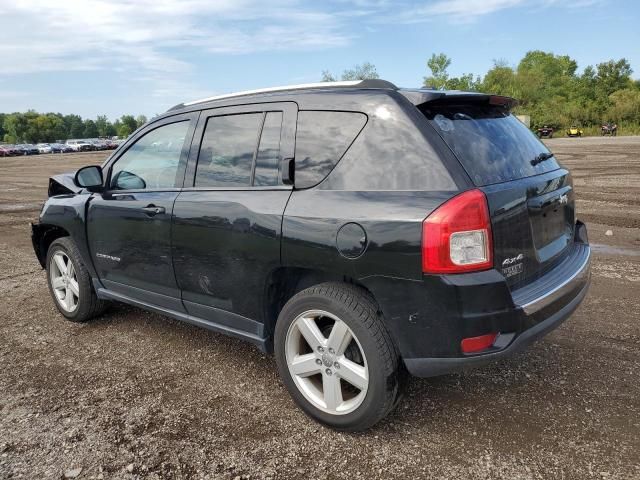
[133,394]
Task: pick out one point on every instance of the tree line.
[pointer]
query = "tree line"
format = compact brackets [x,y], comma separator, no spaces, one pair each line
[34,127]
[549,89]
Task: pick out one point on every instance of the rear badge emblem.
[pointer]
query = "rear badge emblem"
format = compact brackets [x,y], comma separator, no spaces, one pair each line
[512,266]
[563,199]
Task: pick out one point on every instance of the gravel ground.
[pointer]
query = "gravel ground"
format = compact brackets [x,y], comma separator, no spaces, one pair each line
[136,395]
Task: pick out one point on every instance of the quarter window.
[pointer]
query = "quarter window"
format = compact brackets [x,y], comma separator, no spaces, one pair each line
[152,161]
[322,139]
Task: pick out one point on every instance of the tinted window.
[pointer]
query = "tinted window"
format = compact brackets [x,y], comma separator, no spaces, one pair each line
[269,150]
[492,145]
[152,161]
[226,152]
[321,140]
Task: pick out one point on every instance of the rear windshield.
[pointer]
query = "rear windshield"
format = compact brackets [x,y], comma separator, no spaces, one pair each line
[492,145]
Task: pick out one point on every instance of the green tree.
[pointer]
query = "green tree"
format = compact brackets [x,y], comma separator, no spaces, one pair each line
[327,76]
[102,125]
[16,126]
[74,126]
[611,76]
[500,80]
[438,64]
[141,120]
[439,79]
[130,122]
[362,71]
[625,105]
[90,129]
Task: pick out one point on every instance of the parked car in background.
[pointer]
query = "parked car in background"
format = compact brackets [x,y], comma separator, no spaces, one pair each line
[9,150]
[61,148]
[545,132]
[44,148]
[6,150]
[28,149]
[81,145]
[99,144]
[355,229]
[609,128]
[574,131]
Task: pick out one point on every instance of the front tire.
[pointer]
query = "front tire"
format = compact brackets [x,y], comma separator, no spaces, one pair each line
[336,357]
[70,283]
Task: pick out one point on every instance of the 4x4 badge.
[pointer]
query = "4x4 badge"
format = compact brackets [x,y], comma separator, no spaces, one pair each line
[509,261]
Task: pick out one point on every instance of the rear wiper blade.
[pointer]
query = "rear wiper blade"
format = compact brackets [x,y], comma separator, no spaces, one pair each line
[541,158]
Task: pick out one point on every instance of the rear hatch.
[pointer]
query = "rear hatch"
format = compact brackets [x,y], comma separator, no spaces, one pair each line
[530,195]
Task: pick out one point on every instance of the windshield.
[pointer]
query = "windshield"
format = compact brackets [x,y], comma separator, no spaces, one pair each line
[492,145]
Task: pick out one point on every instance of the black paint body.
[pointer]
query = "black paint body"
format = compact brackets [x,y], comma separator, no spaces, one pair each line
[228,258]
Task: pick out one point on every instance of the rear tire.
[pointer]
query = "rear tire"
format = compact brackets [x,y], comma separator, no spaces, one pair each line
[336,357]
[70,283]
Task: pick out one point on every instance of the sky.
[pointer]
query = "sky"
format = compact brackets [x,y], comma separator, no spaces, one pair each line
[113,57]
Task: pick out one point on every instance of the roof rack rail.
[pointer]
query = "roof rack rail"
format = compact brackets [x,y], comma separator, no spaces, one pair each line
[369,83]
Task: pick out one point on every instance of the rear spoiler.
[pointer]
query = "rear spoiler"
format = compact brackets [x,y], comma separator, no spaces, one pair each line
[421,96]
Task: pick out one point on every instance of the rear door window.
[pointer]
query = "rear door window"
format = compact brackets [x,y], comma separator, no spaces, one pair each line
[227,150]
[322,138]
[492,144]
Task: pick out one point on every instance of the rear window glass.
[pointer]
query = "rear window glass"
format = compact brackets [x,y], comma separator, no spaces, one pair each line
[492,145]
[226,152]
[322,138]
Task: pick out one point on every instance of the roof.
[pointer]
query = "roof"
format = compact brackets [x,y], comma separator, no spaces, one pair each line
[417,96]
[370,83]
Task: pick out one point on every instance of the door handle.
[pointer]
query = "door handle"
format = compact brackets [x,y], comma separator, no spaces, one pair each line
[152,210]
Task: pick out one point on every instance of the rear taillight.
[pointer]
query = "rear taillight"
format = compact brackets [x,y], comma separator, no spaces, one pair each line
[456,237]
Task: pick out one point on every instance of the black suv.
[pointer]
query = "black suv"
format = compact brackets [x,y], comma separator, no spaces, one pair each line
[355,229]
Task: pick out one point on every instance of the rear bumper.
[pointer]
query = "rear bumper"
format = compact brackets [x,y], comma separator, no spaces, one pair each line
[538,308]
[430,367]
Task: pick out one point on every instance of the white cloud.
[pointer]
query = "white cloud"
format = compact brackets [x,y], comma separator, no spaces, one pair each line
[50,35]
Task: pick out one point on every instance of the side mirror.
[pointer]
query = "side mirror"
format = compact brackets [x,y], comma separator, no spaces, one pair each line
[89,178]
[288,168]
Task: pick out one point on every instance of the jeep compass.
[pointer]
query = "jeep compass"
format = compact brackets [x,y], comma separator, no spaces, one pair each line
[355,229]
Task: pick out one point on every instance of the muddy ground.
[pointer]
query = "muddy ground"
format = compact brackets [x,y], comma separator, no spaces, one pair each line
[133,394]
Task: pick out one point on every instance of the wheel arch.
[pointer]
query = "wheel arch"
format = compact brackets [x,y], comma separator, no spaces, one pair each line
[42,236]
[285,282]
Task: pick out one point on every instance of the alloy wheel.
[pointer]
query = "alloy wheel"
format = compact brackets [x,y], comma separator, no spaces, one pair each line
[64,281]
[326,362]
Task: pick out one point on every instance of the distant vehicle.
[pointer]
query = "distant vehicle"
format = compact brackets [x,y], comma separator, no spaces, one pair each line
[609,129]
[44,148]
[99,144]
[9,150]
[6,150]
[81,145]
[545,132]
[28,149]
[574,131]
[61,148]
